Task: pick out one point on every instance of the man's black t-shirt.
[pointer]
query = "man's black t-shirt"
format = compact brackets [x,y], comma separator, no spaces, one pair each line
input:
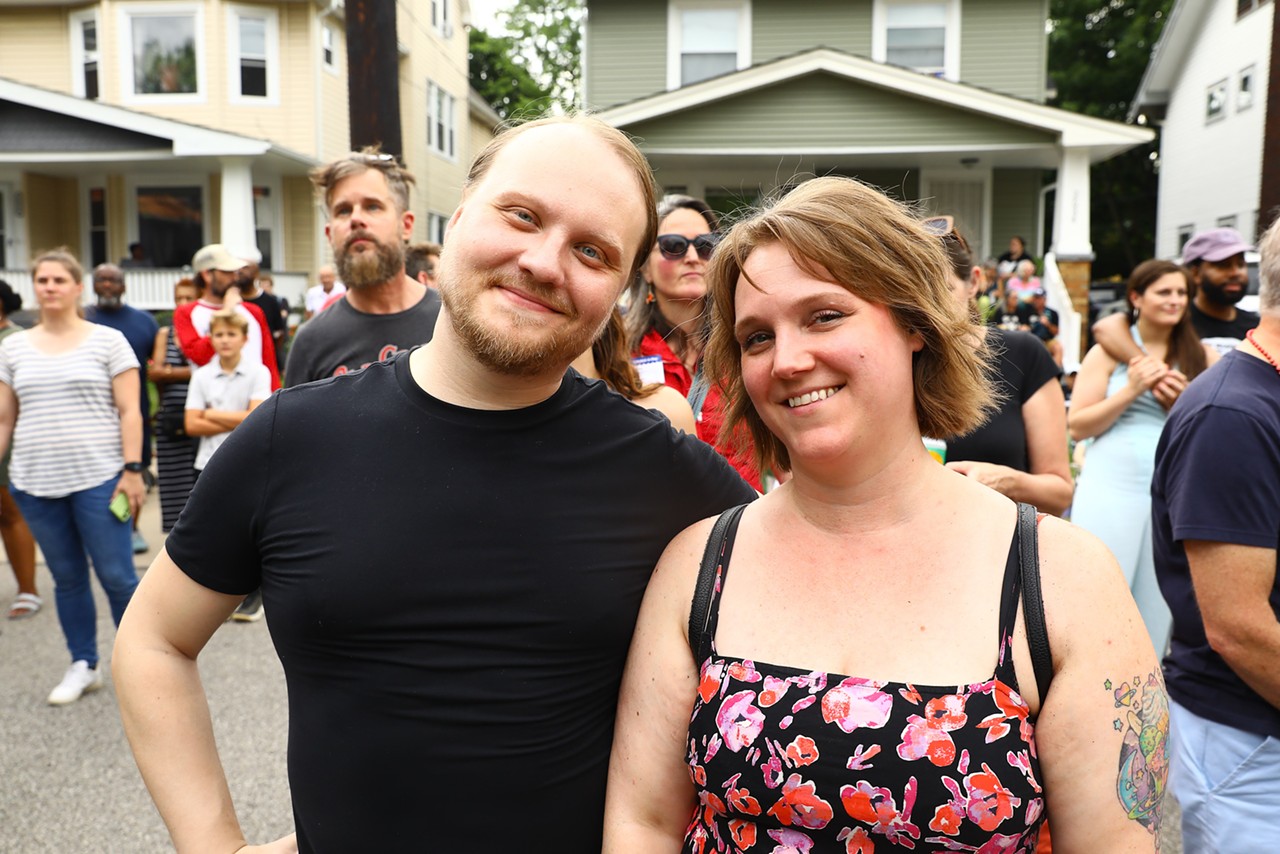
[1224,335]
[1020,368]
[451,593]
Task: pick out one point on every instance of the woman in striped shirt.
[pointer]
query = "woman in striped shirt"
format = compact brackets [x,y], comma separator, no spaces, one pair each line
[69,403]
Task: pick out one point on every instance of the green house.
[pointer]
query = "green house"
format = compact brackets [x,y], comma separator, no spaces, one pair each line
[936,101]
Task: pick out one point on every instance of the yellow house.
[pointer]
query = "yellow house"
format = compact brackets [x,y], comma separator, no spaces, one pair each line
[174,123]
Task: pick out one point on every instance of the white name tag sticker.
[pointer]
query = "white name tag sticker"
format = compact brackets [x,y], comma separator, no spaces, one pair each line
[650,369]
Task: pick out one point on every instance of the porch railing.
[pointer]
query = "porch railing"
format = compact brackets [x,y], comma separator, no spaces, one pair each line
[1069,325]
[151,289]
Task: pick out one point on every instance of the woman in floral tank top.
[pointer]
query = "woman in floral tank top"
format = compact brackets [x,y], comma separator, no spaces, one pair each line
[860,678]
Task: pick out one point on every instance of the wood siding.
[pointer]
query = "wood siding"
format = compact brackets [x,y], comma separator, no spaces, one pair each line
[822,110]
[35,48]
[1003,46]
[626,47]
[298,219]
[53,220]
[783,27]
[1015,208]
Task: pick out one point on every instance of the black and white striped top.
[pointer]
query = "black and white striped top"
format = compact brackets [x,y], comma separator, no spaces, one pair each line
[67,438]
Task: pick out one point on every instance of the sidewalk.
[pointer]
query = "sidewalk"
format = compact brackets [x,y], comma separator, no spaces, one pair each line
[68,783]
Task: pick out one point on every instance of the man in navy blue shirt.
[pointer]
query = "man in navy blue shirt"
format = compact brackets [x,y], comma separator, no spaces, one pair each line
[1215,506]
[139,329]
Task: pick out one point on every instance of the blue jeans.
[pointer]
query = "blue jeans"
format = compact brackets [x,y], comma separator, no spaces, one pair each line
[1227,782]
[71,530]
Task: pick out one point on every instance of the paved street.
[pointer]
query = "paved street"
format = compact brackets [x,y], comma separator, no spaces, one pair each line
[68,783]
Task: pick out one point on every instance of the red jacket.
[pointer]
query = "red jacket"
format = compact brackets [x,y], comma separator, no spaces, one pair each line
[191,325]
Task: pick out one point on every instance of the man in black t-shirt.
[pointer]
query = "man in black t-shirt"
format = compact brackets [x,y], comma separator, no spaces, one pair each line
[247,282]
[452,545]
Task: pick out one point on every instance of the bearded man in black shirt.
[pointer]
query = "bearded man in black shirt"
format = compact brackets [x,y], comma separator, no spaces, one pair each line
[452,595]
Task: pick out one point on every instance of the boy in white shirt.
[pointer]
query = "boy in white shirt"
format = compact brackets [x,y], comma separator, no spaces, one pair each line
[221,394]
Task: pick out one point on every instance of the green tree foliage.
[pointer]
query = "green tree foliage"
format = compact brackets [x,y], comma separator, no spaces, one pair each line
[549,35]
[1098,51]
[499,75]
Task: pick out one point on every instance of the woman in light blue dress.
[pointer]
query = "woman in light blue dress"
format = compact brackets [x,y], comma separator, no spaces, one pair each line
[1113,404]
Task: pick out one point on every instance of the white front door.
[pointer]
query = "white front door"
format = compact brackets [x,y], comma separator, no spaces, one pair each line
[966,196]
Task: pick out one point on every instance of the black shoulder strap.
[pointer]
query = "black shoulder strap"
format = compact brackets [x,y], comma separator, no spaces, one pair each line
[1033,600]
[700,611]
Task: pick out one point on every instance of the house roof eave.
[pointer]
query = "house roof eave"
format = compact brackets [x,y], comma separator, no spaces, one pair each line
[1186,19]
[1074,129]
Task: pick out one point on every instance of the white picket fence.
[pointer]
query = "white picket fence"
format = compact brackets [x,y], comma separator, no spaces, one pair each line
[151,289]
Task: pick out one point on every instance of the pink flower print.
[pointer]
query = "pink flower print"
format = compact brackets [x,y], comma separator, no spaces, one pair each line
[859,760]
[790,842]
[815,681]
[997,844]
[785,723]
[802,751]
[875,806]
[963,765]
[800,805]
[709,683]
[1022,761]
[772,771]
[803,703]
[1034,807]
[744,671]
[713,747]
[855,703]
[1012,708]
[930,735]
[740,799]
[739,721]
[774,689]
[947,819]
[986,802]
[856,841]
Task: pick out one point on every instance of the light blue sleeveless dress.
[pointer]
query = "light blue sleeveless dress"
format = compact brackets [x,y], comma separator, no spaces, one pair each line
[1113,498]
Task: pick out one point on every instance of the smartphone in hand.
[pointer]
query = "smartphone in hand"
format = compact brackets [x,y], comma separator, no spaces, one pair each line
[119,507]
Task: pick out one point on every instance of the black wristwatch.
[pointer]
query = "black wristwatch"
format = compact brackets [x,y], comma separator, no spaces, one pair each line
[133,468]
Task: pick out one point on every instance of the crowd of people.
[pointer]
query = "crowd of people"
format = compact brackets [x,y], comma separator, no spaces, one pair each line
[907,655]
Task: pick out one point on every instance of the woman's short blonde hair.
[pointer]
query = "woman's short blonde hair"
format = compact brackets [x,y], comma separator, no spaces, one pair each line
[845,232]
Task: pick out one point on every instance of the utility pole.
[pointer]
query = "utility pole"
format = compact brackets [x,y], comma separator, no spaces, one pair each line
[1269,197]
[373,76]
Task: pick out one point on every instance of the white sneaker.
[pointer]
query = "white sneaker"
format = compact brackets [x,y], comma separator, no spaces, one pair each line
[79,679]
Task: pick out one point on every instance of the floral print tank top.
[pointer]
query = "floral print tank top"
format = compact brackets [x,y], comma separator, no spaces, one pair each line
[791,761]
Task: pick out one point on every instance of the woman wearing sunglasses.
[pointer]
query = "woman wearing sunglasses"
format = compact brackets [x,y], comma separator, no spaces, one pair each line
[1021,450]
[666,316]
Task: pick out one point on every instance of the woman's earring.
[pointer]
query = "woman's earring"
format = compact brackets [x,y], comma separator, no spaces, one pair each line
[650,298]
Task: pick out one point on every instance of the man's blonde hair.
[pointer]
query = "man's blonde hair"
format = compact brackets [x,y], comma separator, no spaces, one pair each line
[230,317]
[1269,270]
[845,232]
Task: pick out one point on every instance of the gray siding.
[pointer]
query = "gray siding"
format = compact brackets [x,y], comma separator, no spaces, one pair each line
[1003,46]
[626,51]
[822,110]
[783,27]
[1015,206]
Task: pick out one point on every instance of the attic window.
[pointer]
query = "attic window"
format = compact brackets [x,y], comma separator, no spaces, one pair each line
[84,52]
[707,38]
[1216,102]
[923,35]
[162,53]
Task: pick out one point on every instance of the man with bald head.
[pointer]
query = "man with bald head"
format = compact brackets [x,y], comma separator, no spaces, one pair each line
[318,294]
[453,604]
[139,329]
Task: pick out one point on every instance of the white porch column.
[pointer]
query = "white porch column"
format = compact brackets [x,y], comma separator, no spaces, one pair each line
[1071,206]
[237,205]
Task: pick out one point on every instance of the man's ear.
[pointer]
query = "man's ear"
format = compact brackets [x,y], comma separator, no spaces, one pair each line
[406,225]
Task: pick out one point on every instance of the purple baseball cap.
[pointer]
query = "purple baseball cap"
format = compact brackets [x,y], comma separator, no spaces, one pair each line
[1215,245]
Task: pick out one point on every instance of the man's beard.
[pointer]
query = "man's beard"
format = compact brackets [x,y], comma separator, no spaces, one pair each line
[1218,295]
[110,303]
[367,269]
[518,355]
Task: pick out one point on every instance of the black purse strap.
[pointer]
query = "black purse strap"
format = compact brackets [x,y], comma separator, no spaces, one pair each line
[719,547]
[1033,600]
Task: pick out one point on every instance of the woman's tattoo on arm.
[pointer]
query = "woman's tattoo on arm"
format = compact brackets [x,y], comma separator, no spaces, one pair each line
[1142,715]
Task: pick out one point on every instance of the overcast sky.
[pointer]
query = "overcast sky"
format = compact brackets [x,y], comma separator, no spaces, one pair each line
[482,13]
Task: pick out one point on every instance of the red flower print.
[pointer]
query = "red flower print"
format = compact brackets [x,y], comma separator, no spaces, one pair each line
[802,751]
[910,694]
[860,760]
[740,799]
[710,682]
[856,703]
[1012,708]
[772,771]
[875,806]
[947,819]
[743,833]
[989,803]
[803,703]
[744,671]
[856,841]
[773,691]
[739,721]
[928,735]
[790,842]
[801,806]
[712,806]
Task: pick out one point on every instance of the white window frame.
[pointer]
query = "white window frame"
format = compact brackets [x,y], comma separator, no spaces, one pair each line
[80,56]
[275,215]
[85,185]
[438,146]
[272,20]
[1224,86]
[441,19]
[328,42]
[951,42]
[436,225]
[675,49]
[1245,96]
[125,29]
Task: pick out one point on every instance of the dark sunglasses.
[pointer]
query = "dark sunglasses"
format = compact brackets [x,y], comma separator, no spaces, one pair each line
[944,227]
[674,246]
